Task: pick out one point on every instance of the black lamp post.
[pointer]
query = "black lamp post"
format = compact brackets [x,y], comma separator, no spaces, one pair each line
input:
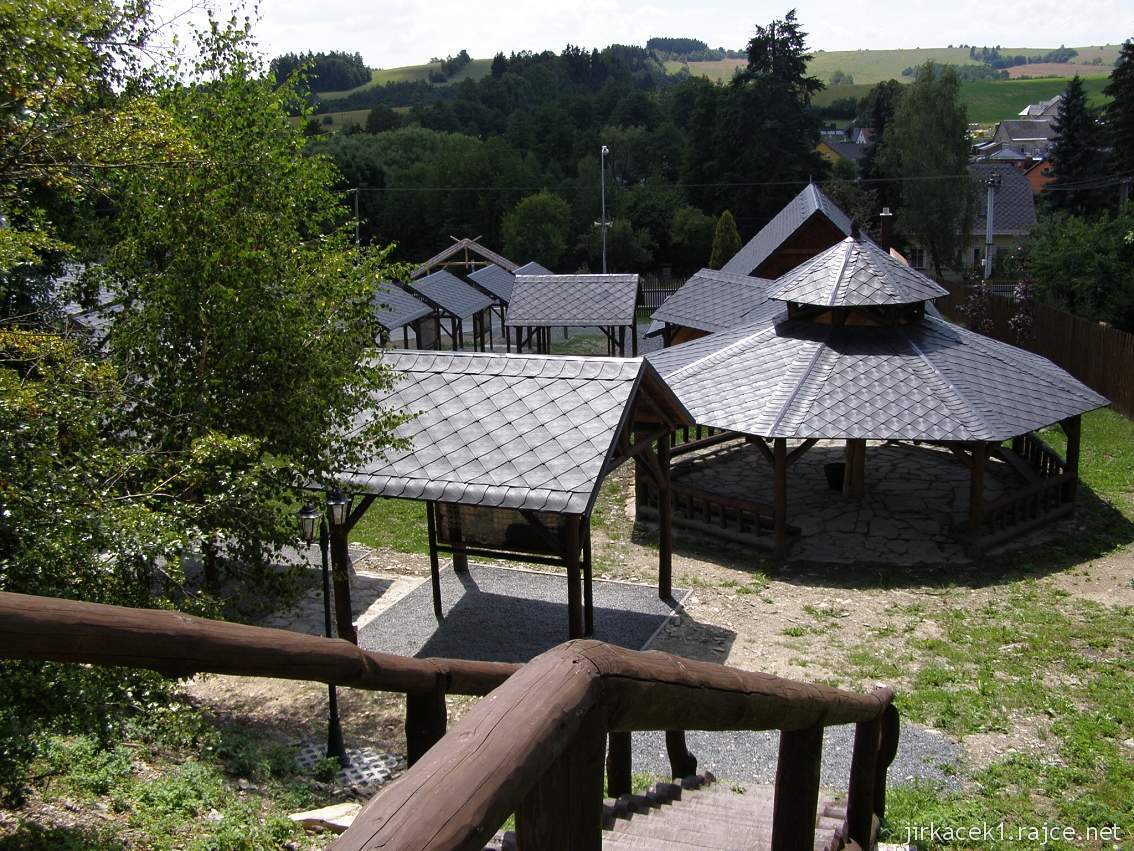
[309,518]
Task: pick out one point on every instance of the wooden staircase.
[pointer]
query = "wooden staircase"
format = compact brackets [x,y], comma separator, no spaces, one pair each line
[700,813]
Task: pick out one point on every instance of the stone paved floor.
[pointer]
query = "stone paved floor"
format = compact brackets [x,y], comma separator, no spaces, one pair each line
[914,496]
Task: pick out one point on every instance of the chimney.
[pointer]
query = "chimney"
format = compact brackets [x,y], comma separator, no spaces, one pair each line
[886,229]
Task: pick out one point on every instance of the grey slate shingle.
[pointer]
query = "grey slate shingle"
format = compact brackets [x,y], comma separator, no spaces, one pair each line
[1013,204]
[854,273]
[500,281]
[393,307]
[522,431]
[573,300]
[786,222]
[451,293]
[712,301]
[928,380]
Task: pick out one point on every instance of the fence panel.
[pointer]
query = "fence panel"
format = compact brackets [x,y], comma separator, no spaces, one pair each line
[656,290]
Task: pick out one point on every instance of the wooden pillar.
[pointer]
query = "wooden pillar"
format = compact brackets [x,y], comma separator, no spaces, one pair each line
[588,576]
[665,522]
[976,494]
[434,567]
[1072,427]
[460,560]
[405,336]
[681,763]
[426,718]
[797,790]
[860,792]
[779,494]
[563,812]
[575,619]
[887,750]
[634,337]
[618,764]
[622,341]
[340,579]
[854,473]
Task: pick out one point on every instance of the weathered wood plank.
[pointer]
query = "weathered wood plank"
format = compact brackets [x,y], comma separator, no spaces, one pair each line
[797,789]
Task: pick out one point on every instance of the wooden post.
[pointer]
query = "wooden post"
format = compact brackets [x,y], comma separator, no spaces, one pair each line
[854,474]
[564,810]
[426,718]
[779,494]
[681,763]
[860,792]
[460,560]
[618,762]
[575,619]
[976,494]
[797,790]
[340,579]
[588,576]
[622,341]
[434,567]
[1072,427]
[887,750]
[665,522]
[634,336]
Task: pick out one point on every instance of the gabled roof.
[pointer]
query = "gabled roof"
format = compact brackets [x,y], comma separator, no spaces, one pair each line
[712,301]
[854,273]
[459,245]
[394,307]
[1009,154]
[500,281]
[1034,130]
[1013,204]
[853,151]
[514,431]
[451,294]
[1043,107]
[573,300]
[927,380]
[796,212]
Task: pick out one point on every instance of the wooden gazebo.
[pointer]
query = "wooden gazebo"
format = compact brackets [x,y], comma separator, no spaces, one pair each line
[508,452]
[497,282]
[856,353]
[395,309]
[542,302]
[455,300]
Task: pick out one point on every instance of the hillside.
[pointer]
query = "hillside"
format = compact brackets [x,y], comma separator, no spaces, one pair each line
[412,73]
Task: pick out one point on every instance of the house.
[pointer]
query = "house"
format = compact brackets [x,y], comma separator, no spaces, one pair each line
[1030,136]
[1048,108]
[1039,174]
[862,136]
[809,223]
[833,150]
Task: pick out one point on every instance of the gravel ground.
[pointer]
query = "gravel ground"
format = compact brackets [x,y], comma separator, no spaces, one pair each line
[748,756]
[505,615]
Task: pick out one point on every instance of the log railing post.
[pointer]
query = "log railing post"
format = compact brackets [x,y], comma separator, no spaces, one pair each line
[426,719]
[618,764]
[563,812]
[340,580]
[887,750]
[861,802]
[681,763]
[797,790]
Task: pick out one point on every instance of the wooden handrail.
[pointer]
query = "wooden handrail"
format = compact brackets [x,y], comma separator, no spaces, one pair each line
[175,644]
[506,745]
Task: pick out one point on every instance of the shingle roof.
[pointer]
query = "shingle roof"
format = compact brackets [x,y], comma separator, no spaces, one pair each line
[394,307]
[460,245]
[1014,202]
[1025,130]
[451,294]
[854,273]
[712,301]
[928,380]
[786,222]
[516,431]
[573,300]
[500,281]
[853,151]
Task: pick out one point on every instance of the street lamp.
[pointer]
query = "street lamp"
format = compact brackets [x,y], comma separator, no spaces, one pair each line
[309,518]
[602,181]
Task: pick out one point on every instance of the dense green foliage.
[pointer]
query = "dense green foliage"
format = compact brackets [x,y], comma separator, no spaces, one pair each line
[536,229]
[325,72]
[726,240]
[1076,152]
[1120,112]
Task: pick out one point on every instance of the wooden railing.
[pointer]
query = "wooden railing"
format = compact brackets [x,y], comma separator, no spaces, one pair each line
[535,747]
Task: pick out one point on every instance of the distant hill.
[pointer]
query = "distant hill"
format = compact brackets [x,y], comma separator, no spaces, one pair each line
[413,73]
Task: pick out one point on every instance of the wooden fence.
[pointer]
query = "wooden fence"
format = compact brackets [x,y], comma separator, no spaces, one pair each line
[656,290]
[1098,355]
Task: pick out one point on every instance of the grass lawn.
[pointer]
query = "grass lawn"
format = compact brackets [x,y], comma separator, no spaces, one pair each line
[475,70]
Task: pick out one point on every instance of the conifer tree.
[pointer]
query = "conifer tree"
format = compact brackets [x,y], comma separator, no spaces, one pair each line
[1120,112]
[726,240]
[1076,155]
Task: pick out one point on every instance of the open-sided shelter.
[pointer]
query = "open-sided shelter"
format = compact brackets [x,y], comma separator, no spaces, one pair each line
[809,223]
[542,302]
[497,282]
[455,300]
[509,451]
[463,256]
[395,309]
[855,354]
[711,301]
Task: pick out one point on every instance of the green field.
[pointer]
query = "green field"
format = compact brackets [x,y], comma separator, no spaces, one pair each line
[989,101]
[410,73]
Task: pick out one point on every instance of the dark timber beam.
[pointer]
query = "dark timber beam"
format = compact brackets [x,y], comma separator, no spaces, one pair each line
[665,521]
[979,458]
[854,475]
[1072,427]
[340,580]
[779,494]
[575,618]
[434,566]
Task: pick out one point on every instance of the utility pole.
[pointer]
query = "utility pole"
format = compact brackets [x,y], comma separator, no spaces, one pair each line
[993,184]
[602,183]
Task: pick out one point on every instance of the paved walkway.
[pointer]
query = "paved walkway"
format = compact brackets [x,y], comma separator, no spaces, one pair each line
[914,496]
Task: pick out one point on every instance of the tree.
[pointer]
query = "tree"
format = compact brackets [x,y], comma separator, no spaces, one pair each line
[1076,155]
[726,240]
[382,118]
[499,65]
[926,147]
[876,111]
[690,239]
[536,229]
[1120,111]
[628,249]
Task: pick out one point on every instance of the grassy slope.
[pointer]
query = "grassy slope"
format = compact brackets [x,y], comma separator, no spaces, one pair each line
[474,71]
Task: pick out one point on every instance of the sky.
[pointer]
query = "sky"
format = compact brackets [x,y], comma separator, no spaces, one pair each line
[391,33]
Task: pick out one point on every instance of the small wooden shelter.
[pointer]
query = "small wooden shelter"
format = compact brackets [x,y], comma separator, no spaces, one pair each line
[455,300]
[542,302]
[857,353]
[462,257]
[497,282]
[711,301]
[396,309]
[509,451]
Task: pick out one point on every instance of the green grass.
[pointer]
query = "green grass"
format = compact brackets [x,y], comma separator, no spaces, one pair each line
[989,101]
[475,70]
[395,523]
